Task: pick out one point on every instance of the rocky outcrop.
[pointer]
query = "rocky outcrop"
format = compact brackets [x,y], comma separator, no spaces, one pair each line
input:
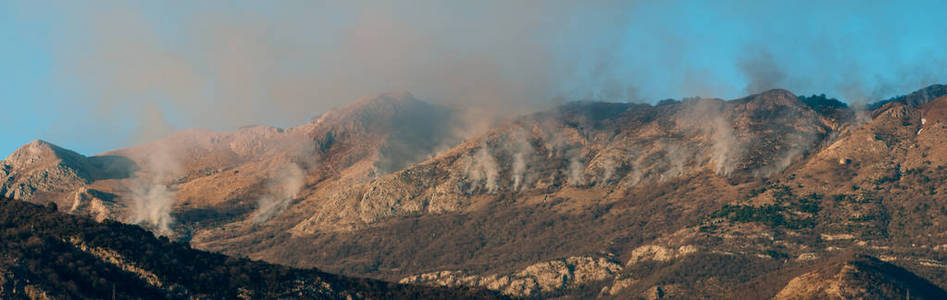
[96,204]
[659,253]
[534,280]
[604,146]
[617,286]
[860,277]
[761,181]
[39,169]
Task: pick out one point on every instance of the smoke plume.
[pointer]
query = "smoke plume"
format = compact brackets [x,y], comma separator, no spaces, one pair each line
[762,72]
[283,64]
[519,167]
[522,149]
[608,166]
[708,117]
[282,187]
[483,170]
[151,205]
[576,171]
[152,199]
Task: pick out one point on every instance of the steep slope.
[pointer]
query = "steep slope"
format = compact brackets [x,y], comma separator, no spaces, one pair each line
[46,254]
[767,184]
[916,98]
[859,277]
[585,180]
[199,177]
[589,199]
[40,170]
[609,148]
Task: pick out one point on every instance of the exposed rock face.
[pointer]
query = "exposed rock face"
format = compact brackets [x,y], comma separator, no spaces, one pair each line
[38,170]
[397,128]
[41,172]
[614,147]
[225,171]
[659,253]
[96,204]
[534,280]
[756,184]
[617,286]
[861,277]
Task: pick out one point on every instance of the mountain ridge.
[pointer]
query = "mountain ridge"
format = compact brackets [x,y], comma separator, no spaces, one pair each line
[770,180]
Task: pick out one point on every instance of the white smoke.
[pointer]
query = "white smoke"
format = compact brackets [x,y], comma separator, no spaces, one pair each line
[151,205]
[608,166]
[281,189]
[798,143]
[523,149]
[152,199]
[634,177]
[707,115]
[519,167]
[727,150]
[576,171]
[483,170]
[677,157]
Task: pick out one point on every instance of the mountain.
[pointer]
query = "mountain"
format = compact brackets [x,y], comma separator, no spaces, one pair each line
[40,170]
[917,98]
[698,197]
[859,276]
[46,254]
[219,175]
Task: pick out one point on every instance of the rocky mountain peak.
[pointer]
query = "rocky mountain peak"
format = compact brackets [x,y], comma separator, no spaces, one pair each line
[40,152]
[389,98]
[569,189]
[395,129]
[772,99]
[859,276]
[40,168]
[374,108]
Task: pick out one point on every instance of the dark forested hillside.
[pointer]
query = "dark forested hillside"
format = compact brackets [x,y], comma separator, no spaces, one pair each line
[47,254]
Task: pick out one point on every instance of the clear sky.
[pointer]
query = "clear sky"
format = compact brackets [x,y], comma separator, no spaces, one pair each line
[99,75]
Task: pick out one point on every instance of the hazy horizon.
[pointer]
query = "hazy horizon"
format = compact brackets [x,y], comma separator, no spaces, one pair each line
[95,77]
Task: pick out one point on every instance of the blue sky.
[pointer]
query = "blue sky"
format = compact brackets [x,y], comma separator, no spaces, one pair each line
[102,75]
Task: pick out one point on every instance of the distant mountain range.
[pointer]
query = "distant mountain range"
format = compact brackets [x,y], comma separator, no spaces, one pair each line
[770,195]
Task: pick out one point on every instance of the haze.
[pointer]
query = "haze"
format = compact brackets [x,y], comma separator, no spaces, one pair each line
[104,75]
